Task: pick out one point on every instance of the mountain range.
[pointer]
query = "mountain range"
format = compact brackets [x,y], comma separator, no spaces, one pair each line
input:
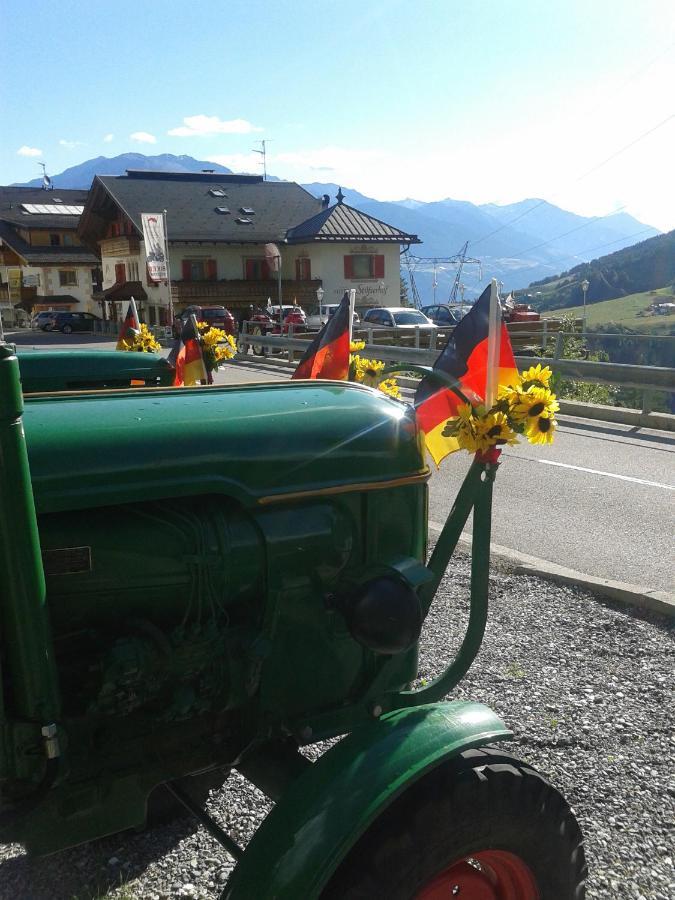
[516,243]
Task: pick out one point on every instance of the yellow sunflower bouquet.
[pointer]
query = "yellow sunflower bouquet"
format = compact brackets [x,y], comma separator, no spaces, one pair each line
[526,408]
[368,371]
[217,346]
[143,341]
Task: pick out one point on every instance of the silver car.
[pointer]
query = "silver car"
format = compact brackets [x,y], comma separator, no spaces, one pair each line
[397,317]
[319,315]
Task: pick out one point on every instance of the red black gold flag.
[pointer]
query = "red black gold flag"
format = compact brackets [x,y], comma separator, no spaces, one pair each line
[328,354]
[130,327]
[465,357]
[187,358]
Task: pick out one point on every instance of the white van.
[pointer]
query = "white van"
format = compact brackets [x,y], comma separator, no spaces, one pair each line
[319,315]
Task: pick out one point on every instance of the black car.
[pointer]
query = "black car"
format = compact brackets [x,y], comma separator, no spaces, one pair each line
[67,322]
[446,314]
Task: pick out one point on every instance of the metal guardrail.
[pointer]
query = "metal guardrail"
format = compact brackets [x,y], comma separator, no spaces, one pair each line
[644,378]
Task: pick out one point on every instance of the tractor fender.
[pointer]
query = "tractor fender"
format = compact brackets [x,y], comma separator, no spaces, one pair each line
[326,809]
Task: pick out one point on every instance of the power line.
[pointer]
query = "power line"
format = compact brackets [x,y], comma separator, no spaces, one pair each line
[571,231]
[608,244]
[506,224]
[627,147]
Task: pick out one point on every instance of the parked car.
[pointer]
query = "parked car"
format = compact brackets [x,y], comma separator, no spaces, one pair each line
[396,317]
[67,322]
[42,320]
[446,314]
[218,316]
[319,315]
[290,315]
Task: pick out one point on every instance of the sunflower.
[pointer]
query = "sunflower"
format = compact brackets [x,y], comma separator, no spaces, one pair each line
[540,430]
[367,371]
[143,341]
[389,387]
[355,346]
[535,401]
[494,428]
[538,375]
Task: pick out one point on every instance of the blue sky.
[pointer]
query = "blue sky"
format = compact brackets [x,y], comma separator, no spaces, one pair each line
[480,101]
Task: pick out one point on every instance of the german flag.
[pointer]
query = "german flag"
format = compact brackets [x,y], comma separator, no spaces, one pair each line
[328,354]
[130,327]
[187,358]
[465,357]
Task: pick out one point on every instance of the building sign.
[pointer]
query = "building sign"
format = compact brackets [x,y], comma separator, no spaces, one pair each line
[14,282]
[155,246]
[366,293]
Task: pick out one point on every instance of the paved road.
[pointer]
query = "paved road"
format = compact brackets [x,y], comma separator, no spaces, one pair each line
[600,500]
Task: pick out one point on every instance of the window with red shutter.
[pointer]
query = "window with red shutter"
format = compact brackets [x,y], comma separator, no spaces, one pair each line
[250,270]
[303,269]
[265,270]
[211,270]
[187,270]
[378,266]
[120,273]
[349,267]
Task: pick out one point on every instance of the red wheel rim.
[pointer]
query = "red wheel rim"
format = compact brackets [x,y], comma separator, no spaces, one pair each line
[486,875]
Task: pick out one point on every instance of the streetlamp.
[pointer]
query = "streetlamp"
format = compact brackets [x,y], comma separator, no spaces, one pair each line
[319,295]
[584,288]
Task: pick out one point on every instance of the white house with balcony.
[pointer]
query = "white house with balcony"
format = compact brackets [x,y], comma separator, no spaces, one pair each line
[217,229]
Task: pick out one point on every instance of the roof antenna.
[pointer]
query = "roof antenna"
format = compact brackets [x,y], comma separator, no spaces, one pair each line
[263,153]
[46,180]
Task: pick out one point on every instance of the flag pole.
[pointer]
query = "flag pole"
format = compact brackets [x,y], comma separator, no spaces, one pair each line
[352,304]
[137,321]
[494,335]
[168,266]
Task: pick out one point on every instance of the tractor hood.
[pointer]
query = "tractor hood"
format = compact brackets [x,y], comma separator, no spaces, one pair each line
[67,370]
[259,443]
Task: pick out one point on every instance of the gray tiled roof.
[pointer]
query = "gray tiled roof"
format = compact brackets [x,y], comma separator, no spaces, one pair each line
[12,198]
[190,207]
[46,256]
[344,223]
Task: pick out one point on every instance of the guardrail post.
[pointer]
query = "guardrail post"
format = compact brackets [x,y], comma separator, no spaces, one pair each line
[291,353]
[646,402]
[370,335]
[559,345]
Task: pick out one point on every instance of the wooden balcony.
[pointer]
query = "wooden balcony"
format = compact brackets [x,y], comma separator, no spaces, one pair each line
[237,293]
[125,245]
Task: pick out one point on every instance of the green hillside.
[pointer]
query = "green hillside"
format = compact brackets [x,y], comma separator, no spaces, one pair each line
[644,267]
[630,312]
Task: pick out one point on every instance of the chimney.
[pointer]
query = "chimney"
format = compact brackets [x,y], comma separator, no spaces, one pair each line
[325,200]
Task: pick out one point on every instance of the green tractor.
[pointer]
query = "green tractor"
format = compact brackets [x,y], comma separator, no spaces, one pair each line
[207,580]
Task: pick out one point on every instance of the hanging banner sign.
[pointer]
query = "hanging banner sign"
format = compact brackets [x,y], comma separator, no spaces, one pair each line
[155,246]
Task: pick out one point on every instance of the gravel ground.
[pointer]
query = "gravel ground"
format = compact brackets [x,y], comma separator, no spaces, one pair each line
[586,686]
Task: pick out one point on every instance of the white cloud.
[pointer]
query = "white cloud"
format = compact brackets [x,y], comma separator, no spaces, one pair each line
[29,151]
[143,137]
[71,144]
[108,138]
[202,126]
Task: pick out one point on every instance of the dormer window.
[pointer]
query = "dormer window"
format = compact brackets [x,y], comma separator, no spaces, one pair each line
[217,192]
[246,210]
[241,221]
[222,210]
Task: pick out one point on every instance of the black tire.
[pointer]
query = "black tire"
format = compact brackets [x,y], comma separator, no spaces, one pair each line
[67,329]
[483,800]
[257,349]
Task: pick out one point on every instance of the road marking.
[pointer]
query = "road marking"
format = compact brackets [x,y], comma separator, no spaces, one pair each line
[548,462]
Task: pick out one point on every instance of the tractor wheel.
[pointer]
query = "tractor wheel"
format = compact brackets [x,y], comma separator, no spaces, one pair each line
[483,826]
[257,349]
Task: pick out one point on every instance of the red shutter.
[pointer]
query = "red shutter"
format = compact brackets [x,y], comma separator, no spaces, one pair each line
[250,270]
[211,269]
[298,270]
[187,270]
[378,266]
[307,269]
[120,273]
[349,267]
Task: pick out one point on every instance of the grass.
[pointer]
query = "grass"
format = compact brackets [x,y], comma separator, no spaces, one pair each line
[625,311]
